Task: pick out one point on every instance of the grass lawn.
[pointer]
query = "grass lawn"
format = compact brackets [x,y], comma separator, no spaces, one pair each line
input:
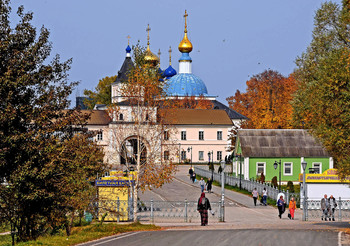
[83,234]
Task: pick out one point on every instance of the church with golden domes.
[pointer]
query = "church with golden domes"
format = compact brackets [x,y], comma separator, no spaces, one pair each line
[198,135]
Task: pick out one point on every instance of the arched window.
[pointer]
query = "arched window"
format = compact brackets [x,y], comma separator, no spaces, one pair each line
[121,117]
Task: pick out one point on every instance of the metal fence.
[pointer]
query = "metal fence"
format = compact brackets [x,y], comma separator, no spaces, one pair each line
[341,212]
[181,211]
[154,211]
[248,185]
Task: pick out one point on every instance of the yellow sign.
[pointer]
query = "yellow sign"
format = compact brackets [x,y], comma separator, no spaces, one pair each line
[113,195]
[328,176]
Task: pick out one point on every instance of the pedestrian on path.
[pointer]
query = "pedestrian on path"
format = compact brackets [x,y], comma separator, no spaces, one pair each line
[202,207]
[202,184]
[209,185]
[193,177]
[190,172]
[324,207]
[292,208]
[264,197]
[332,204]
[255,195]
[281,205]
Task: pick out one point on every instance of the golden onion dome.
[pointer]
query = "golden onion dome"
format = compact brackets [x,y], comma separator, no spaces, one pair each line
[185,45]
[150,58]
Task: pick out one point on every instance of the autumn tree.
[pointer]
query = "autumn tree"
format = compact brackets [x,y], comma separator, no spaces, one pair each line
[102,93]
[266,101]
[140,139]
[41,156]
[322,99]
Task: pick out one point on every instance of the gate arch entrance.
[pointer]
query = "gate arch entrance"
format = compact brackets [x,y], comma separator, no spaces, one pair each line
[130,149]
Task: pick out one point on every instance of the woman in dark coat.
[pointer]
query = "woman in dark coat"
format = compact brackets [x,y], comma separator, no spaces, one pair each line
[209,184]
[202,207]
[281,204]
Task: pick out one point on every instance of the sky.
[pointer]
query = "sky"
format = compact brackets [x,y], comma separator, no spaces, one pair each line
[232,40]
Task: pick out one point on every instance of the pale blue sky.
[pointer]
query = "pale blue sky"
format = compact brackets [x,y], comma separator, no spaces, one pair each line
[232,40]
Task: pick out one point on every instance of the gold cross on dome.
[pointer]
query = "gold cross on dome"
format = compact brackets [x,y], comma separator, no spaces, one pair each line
[170,55]
[128,37]
[148,29]
[185,20]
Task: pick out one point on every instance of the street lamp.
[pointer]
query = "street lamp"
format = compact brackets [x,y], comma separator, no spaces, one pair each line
[304,164]
[222,164]
[240,169]
[188,150]
[211,164]
[275,166]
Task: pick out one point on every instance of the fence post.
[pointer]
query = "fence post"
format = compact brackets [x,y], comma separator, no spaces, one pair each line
[340,219]
[118,206]
[185,210]
[152,216]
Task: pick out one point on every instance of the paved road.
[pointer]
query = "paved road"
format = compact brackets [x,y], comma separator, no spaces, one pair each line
[223,237]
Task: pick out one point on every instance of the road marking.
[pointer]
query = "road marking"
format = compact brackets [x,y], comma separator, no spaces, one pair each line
[339,238]
[116,238]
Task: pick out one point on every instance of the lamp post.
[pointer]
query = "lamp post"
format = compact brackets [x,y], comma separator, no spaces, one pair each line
[240,169]
[211,164]
[275,166]
[222,163]
[304,164]
[188,150]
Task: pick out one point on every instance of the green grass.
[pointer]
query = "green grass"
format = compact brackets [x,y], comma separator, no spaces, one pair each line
[82,234]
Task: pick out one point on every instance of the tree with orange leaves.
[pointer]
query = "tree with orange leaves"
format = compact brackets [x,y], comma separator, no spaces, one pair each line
[266,102]
[140,139]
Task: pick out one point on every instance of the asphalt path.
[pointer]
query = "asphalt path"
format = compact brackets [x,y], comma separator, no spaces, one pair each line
[259,237]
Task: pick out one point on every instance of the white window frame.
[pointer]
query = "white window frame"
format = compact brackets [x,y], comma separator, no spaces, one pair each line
[257,164]
[183,155]
[201,155]
[201,135]
[219,135]
[219,155]
[99,136]
[284,169]
[166,135]
[166,155]
[313,166]
[185,135]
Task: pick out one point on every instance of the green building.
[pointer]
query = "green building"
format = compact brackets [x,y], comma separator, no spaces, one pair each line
[258,149]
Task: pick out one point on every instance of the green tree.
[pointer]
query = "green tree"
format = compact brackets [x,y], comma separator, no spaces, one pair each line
[322,101]
[42,160]
[102,93]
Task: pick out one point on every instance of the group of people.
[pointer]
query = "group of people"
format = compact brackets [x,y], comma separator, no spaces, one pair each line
[281,205]
[328,206]
[263,200]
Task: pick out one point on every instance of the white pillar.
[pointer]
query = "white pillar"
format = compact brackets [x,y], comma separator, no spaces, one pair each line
[331,163]
[246,168]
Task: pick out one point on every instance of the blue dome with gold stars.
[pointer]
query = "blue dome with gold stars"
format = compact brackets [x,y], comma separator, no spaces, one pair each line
[185,84]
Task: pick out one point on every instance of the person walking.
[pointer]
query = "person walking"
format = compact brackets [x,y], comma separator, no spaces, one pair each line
[202,184]
[202,207]
[193,177]
[292,208]
[255,195]
[190,172]
[209,185]
[332,205]
[264,193]
[281,205]
[324,207]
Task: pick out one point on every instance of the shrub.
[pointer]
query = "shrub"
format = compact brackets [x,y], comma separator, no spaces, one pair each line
[290,186]
[274,181]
